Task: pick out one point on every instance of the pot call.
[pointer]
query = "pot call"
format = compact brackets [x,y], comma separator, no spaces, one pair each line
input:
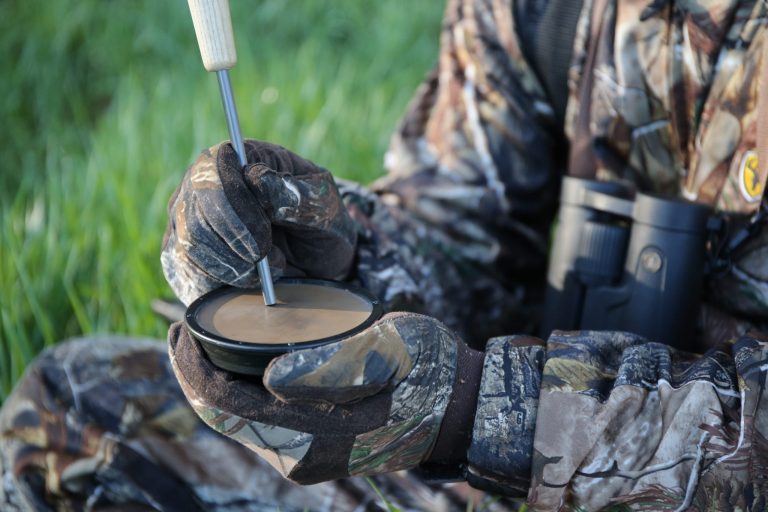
[237,330]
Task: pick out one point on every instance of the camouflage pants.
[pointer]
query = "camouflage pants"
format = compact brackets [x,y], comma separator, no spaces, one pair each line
[101,424]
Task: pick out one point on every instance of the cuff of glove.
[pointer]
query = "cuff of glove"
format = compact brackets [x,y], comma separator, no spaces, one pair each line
[448,459]
[501,449]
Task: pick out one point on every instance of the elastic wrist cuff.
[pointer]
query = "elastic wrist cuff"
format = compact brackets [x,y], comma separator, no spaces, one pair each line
[448,459]
[499,457]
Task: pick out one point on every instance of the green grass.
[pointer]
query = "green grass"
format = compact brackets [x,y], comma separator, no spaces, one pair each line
[391,507]
[105,103]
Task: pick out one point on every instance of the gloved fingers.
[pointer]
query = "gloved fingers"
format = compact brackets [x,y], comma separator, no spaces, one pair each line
[217,230]
[217,241]
[302,200]
[320,235]
[279,158]
[405,363]
[316,254]
[216,393]
[392,428]
[229,205]
[310,201]
[187,280]
[343,372]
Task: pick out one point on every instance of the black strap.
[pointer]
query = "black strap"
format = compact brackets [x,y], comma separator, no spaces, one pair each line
[553,50]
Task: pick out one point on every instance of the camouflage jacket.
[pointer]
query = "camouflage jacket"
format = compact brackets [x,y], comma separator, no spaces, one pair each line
[663,95]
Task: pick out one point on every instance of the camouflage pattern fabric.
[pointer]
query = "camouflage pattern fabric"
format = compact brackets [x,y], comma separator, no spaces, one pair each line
[475,164]
[673,110]
[652,428]
[459,227]
[473,175]
[507,408]
[223,220]
[101,424]
[623,424]
[370,404]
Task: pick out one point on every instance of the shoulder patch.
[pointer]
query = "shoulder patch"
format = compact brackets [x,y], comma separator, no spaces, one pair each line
[750,182]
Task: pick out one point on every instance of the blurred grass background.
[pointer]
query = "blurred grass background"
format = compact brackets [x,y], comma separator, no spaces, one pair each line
[105,103]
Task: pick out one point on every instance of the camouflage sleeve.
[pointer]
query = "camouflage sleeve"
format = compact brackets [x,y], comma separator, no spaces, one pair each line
[458,227]
[606,420]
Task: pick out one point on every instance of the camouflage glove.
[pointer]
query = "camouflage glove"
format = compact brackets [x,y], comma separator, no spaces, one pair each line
[223,219]
[369,404]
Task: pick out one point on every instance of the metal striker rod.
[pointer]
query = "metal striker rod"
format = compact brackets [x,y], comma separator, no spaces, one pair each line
[233,123]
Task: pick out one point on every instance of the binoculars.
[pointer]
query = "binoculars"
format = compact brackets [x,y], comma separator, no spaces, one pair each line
[625,263]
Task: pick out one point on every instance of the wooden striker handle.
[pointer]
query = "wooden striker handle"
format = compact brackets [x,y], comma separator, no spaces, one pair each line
[213,27]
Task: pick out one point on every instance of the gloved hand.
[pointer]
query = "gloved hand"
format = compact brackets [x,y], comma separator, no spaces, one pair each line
[371,403]
[223,219]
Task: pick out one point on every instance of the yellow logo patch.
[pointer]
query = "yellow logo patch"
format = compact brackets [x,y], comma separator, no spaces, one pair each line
[750,184]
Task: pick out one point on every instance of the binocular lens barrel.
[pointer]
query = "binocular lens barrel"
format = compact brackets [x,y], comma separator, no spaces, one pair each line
[618,264]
